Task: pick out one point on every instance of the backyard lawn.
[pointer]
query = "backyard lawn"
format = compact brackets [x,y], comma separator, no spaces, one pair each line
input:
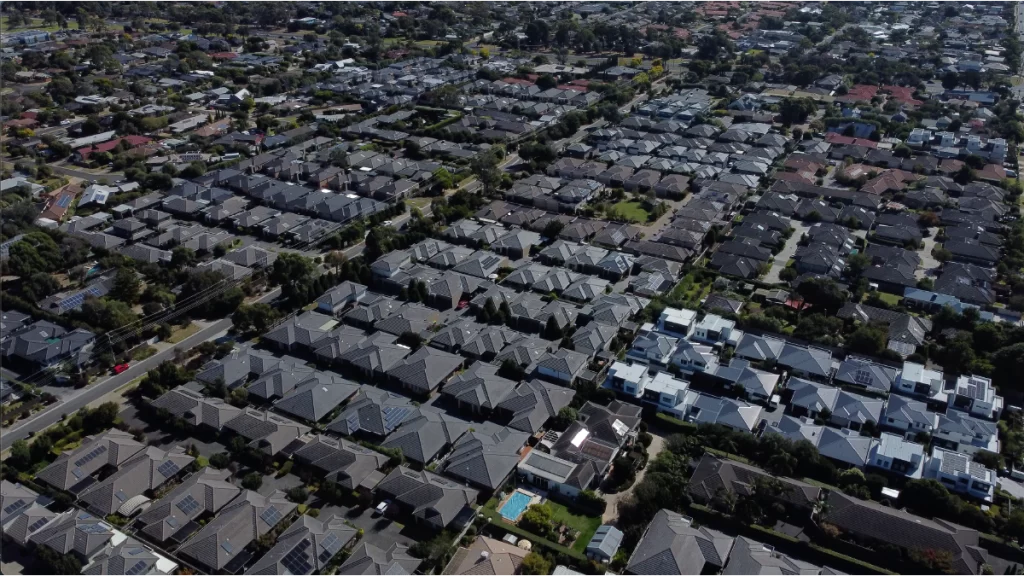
[891,299]
[631,210]
[585,525]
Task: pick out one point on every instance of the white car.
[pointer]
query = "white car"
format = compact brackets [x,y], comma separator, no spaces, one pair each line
[387,222]
[382,507]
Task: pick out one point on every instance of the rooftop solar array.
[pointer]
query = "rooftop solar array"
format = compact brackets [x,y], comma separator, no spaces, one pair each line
[329,546]
[271,516]
[14,507]
[37,524]
[863,377]
[91,455]
[296,561]
[136,568]
[168,469]
[188,505]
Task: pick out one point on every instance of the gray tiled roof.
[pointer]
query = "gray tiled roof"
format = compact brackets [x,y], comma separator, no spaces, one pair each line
[671,545]
[425,433]
[76,531]
[486,456]
[904,530]
[424,370]
[315,398]
[377,353]
[373,411]
[479,387]
[344,462]
[209,489]
[242,521]
[532,403]
[713,473]
[144,472]
[113,448]
[306,546]
[369,559]
[266,431]
[434,499]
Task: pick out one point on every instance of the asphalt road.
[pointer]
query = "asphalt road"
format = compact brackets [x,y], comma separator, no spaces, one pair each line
[106,178]
[71,403]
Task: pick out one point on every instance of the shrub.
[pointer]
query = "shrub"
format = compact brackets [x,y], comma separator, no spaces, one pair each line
[252,481]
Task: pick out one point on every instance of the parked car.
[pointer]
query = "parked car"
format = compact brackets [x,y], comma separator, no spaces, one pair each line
[382,507]
[120,368]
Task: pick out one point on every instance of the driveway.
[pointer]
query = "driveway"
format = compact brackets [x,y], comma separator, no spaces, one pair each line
[377,530]
[787,252]
[928,262]
[611,512]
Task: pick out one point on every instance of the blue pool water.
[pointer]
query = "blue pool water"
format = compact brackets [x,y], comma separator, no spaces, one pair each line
[514,506]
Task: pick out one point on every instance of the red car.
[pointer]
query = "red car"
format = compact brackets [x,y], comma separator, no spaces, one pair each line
[120,368]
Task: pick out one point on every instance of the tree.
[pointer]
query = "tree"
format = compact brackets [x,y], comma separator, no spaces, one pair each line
[21,455]
[182,257]
[566,416]
[552,331]
[823,293]
[106,314]
[100,418]
[958,354]
[1007,366]
[255,318]
[39,285]
[252,481]
[534,563]
[537,519]
[796,110]
[127,286]
[220,460]
[164,377]
[55,563]
[546,82]
[868,339]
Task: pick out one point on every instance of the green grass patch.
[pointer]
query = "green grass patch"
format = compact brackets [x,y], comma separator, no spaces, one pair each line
[632,211]
[585,525]
[891,299]
[143,352]
[723,454]
[421,202]
[183,332]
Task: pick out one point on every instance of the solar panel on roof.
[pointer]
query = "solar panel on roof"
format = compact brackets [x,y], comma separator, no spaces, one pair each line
[64,201]
[91,455]
[172,522]
[296,561]
[38,524]
[863,377]
[92,528]
[14,507]
[168,469]
[227,546]
[137,568]
[271,516]
[121,496]
[395,415]
[331,543]
[188,505]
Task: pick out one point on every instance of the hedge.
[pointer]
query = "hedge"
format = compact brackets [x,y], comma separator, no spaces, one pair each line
[674,425]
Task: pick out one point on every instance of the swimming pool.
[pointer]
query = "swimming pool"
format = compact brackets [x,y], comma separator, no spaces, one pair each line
[515,505]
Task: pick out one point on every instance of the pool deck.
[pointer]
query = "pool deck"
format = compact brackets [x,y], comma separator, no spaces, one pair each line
[534,499]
